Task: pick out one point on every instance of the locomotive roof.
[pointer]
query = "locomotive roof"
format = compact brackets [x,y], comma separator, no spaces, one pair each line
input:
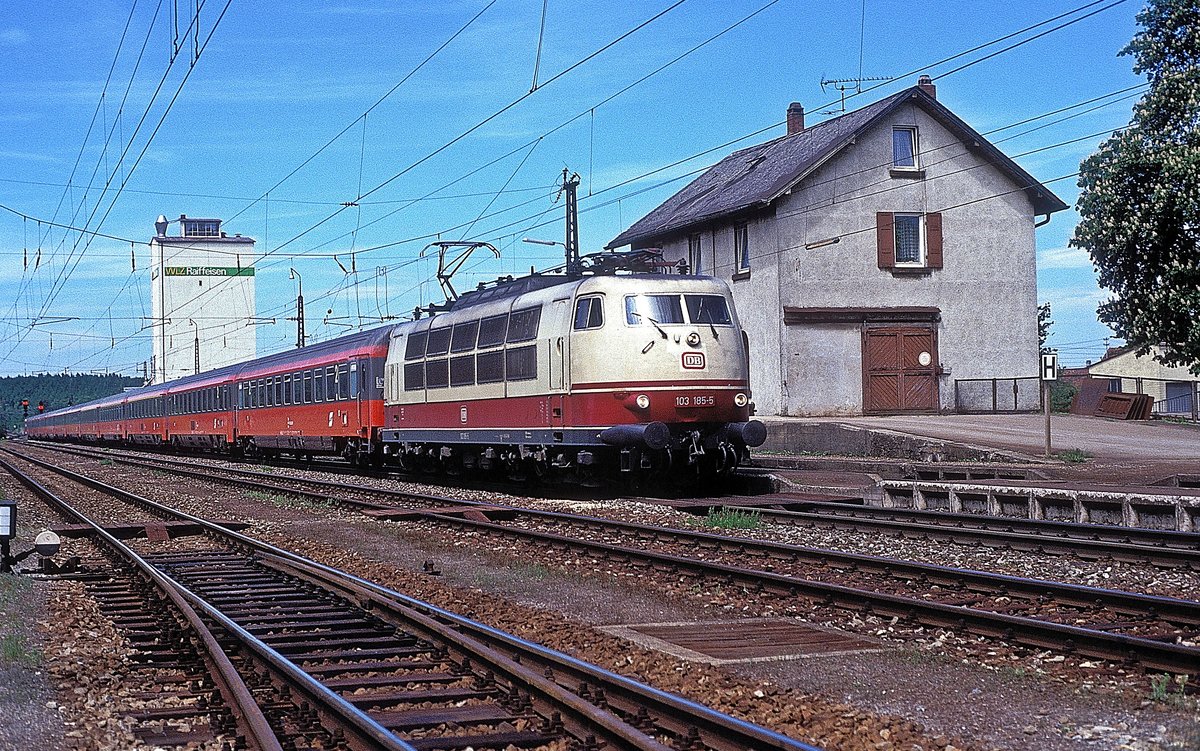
[513,288]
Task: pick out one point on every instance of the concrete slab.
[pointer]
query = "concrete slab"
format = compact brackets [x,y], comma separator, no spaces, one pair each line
[1107,440]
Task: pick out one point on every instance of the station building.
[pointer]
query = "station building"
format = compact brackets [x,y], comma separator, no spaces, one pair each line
[202,298]
[882,261]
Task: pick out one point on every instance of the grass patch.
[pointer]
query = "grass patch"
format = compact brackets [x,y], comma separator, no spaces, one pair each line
[289,501]
[732,518]
[1169,689]
[11,588]
[14,651]
[1074,456]
[106,462]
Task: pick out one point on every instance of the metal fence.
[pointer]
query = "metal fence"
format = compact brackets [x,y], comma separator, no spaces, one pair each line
[991,395]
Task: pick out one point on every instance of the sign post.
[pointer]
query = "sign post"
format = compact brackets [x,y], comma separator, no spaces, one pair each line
[1049,374]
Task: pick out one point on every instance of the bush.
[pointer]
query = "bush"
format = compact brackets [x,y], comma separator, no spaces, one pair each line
[1061,394]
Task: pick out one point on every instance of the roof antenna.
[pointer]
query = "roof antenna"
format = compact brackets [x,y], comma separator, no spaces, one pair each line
[842,85]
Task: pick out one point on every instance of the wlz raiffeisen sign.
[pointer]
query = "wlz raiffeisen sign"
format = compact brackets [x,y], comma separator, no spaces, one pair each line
[209,271]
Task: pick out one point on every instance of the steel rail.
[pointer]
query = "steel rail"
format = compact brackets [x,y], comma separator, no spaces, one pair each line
[1167,539]
[676,712]
[1159,547]
[1178,610]
[1043,634]
[236,695]
[1052,541]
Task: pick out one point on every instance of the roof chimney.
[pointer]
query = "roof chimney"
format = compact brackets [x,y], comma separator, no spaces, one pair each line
[795,118]
[925,83]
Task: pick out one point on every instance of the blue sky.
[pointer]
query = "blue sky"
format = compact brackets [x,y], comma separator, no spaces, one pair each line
[277,80]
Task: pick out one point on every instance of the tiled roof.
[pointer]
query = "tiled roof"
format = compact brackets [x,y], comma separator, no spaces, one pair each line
[757,175]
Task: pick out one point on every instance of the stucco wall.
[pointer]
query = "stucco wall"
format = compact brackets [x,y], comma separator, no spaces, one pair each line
[986,290]
[1153,374]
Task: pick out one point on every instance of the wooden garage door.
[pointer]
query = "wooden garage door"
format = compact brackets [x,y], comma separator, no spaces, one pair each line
[899,369]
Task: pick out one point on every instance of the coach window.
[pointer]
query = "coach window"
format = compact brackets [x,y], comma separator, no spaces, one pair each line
[343,380]
[297,388]
[523,324]
[353,380]
[521,363]
[437,373]
[464,338]
[330,384]
[308,389]
[278,391]
[439,342]
[492,331]
[589,313]
[318,386]
[261,399]
[462,371]
[415,349]
[270,391]
[414,376]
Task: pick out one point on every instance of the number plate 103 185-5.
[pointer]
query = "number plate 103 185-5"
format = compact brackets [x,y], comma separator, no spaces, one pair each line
[695,400]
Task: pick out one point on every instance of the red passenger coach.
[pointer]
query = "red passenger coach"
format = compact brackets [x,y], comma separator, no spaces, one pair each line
[322,399]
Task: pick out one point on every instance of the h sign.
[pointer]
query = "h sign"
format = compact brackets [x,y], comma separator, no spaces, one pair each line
[1050,366]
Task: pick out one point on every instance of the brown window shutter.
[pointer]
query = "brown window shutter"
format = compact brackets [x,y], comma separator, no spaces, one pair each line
[885,239]
[933,241]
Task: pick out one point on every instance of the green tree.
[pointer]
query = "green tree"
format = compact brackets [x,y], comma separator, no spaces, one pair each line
[1044,324]
[1139,203]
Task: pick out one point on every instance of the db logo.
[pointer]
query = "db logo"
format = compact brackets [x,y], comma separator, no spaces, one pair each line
[693,360]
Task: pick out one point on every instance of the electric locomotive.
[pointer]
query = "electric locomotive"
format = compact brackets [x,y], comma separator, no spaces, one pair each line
[583,376]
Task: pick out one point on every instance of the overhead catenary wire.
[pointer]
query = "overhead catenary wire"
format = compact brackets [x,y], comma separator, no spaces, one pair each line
[851,233]
[65,273]
[642,177]
[481,123]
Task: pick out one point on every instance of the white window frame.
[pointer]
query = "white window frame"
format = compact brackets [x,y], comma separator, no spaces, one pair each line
[741,248]
[696,254]
[922,255]
[916,153]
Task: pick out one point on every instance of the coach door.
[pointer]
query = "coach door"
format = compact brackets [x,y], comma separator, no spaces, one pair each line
[900,366]
[357,407]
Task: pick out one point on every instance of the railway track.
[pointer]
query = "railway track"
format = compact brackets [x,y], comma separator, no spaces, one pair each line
[1156,632]
[1158,547]
[372,668]
[1084,541]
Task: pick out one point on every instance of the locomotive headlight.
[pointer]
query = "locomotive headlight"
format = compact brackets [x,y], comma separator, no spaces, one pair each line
[693,339]
[643,401]
[740,400]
